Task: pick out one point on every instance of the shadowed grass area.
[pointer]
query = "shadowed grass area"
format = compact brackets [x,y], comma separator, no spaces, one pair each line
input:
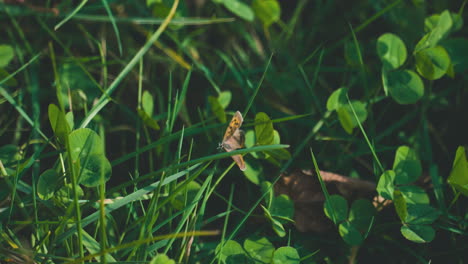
[114,118]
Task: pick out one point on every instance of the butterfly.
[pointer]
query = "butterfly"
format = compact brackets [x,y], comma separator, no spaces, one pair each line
[234,139]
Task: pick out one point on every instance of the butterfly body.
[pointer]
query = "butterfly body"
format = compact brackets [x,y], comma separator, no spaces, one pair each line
[234,139]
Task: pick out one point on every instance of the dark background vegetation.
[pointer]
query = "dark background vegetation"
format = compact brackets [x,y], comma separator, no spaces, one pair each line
[434,128]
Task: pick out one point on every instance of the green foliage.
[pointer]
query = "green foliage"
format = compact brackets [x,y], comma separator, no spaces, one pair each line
[239,9]
[457,52]
[162,259]
[224,98]
[231,251]
[336,208]
[87,153]
[217,109]
[432,63]
[406,165]
[142,93]
[75,81]
[352,223]
[349,119]
[186,195]
[417,223]
[9,153]
[386,185]
[351,115]
[411,201]
[6,55]
[59,123]
[254,172]
[263,129]
[260,249]
[146,111]
[279,210]
[47,184]
[337,99]
[268,11]
[439,27]
[256,250]
[391,50]
[404,86]
[459,175]
[286,255]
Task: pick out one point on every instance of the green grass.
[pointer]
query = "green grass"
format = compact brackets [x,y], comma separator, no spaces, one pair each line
[111,113]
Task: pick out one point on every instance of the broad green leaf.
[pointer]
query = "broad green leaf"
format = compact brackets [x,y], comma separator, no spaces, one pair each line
[162,259]
[406,166]
[6,55]
[186,195]
[224,98]
[418,233]
[249,138]
[276,137]
[336,208]
[414,194]
[275,223]
[70,120]
[250,142]
[432,63]
[93,167]
[407,171]
[404,86]
[151,2]
[347,118]
[94,247]
[263,129]
[147,103]
[337,99]
[47,184]
[386,186]
[279,154]
[259,249]
[148,120]
[266,187]
[253,172]
[9,153]
[268,11]
[64,194]
[438,32]
[458,53]
[276,155]
[59,123]
[217,109]
[391,50]
[421,214]
[240,9]
[459,175]
[431,22]
[350,234]
[282,206]
[361,213]
[84,142]
[278,227]
[231,248]
[286,255]
[87,152]
[161,9]
[400,205]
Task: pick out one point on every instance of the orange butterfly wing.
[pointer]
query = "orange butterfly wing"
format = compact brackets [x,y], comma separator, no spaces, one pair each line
[234,139]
